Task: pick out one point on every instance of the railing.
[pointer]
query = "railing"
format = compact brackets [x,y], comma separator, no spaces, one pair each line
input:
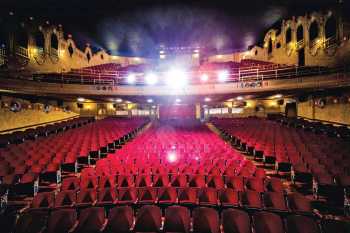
[22,52]
[300,44]
[235,75]
[330,42]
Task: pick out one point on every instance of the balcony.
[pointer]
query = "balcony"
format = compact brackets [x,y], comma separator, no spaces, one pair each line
[299,78]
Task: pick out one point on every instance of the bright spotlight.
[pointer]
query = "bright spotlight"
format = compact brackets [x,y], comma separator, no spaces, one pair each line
[172,157]
[151,79]
[207,99]
[131,78]
[223,75]
[176,78]
[204,77]
[178,100]
[149,101]
[239,98]
[81,99]
[118,100]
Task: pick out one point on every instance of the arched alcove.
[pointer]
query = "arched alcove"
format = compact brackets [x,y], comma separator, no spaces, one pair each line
[331,27]
[54,41]
[288,35]
[88,56]
[70,49]
[300,33]
[269,47]
[39,39]
[313,30]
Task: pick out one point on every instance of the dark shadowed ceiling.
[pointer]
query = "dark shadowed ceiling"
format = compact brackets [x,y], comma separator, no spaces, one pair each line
[139,27]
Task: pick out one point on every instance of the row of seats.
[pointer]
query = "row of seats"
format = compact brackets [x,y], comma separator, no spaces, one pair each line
[311,158]
[239,183]
[32,133]
[23,166]
[226,197]
[150,218]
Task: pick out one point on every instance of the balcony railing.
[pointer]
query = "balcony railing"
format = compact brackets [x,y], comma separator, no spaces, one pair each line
[251,75]
[22,52]
[300,44]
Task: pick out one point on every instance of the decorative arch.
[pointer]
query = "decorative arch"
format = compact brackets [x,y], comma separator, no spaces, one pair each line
[314,30]
[288,35]
[300,32]
[331,27]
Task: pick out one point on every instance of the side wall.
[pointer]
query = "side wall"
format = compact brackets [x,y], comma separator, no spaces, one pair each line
[334,112]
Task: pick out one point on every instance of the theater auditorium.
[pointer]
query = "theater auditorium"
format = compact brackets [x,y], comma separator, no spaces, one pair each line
[175,116]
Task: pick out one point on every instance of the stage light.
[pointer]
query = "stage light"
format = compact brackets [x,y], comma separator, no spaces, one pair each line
[172,157]
[149,101]
[178,100]
[204,77]
[81,99]
[118,100]
[154,106]
[207,99]
[131,78]
[151,79]
[162,56]
[239,98]
[176,78]
[223,75]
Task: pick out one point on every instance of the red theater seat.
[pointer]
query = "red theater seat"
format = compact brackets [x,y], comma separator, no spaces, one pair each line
[44,201]
[91,220]
[31,222]
[207,197]
[229,198]
[127,195]
[177,219]
[148,219]
[235,221]
[301,224]
[61,220]
[167,195]
[187,196]
[265,222]
[205,220]
[120,219]
[65,199]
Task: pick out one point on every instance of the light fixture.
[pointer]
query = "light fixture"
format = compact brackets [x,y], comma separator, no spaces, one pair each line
[162,56]
[161,52]
[204,77]
[131,78]
[118,100]
[207,99]
[176,78]
[178,100]
[149,101]
[81,99]
[278,96]
[223,75]
[154,106]
[239,98]
[151,79]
